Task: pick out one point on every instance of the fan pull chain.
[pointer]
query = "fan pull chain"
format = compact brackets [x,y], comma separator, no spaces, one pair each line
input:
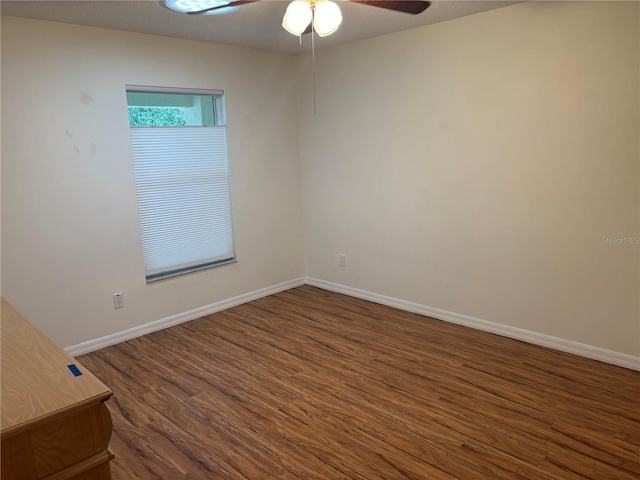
[313,63]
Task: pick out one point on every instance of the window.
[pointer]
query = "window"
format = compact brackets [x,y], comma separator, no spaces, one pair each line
[179,145]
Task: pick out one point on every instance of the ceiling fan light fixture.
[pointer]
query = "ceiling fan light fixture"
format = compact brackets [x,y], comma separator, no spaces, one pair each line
[186,6]
[297,17]
[327,17]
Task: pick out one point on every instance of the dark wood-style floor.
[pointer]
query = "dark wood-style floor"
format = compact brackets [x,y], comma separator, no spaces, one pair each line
[317,385]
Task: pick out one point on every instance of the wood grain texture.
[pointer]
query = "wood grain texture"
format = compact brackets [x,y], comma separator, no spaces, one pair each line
[54,425]
[313,384]
[35,379]
[62,443]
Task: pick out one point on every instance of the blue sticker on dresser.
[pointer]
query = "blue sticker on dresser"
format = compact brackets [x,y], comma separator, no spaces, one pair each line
[74,369]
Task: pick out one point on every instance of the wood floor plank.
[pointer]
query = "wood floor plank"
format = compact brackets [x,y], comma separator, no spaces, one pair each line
[313,384]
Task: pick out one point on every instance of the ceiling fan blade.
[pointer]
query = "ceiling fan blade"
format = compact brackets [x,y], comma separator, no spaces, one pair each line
[413,7]
[235,3]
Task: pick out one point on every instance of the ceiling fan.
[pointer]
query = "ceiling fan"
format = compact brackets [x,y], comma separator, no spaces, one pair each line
[302,16]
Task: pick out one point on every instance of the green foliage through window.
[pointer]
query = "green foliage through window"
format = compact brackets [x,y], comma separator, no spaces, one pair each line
[156,117]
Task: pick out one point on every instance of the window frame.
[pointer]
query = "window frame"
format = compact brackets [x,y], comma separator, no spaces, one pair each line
[219,121]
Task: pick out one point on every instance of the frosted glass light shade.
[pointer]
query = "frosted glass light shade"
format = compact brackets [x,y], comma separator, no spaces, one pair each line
[186,6]
[327,18]
[297,17]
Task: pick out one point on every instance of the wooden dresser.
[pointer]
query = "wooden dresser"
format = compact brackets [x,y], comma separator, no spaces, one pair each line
[55,424]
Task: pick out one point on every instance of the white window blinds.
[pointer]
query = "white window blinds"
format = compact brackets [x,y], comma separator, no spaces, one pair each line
[182,181]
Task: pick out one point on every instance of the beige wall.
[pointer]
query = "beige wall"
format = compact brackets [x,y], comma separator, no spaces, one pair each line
[472,166]
[70,235]
[476,165]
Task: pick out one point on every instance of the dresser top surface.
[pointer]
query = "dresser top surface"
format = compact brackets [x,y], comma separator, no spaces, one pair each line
[37,380]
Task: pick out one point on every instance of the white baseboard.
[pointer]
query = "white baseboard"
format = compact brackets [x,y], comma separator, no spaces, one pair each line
[596,353]
[588,351]
[135,332]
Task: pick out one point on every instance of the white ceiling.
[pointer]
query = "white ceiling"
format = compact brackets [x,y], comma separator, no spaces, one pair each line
[256,25]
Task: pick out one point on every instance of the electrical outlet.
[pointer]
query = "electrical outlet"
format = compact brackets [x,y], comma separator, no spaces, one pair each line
[342,260]
[118,300]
